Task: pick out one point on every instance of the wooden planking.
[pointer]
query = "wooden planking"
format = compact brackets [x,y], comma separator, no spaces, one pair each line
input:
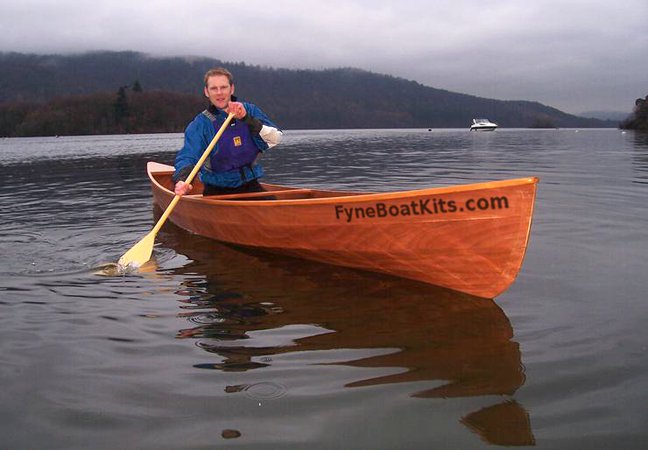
[479,252]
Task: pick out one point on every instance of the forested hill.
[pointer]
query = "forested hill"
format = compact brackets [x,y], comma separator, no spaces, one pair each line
[296,99]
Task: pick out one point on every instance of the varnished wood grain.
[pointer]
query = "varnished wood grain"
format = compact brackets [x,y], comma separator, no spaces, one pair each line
[479,251]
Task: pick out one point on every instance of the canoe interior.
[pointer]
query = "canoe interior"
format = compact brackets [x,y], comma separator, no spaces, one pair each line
[164,178]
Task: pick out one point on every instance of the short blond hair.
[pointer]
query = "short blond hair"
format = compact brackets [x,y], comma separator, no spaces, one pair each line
[218,71]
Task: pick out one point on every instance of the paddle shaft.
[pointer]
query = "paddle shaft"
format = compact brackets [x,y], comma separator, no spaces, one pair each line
[141,252]
[192,174]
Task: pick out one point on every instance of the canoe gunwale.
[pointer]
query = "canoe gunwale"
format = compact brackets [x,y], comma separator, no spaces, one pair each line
[345,197]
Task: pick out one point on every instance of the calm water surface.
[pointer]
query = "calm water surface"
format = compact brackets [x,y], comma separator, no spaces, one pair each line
[215,347]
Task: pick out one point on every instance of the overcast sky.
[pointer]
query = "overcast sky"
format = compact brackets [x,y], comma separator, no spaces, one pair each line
[575,55]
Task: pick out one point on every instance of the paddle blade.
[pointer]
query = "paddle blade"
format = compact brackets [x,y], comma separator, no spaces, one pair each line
[139,254]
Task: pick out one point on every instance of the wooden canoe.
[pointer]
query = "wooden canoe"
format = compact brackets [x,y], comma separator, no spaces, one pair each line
[469,238]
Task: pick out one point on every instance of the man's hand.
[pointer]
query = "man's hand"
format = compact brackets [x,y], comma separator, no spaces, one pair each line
[182,188]
[237,109]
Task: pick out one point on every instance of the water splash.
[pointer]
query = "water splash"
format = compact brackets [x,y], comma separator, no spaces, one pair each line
[116,270]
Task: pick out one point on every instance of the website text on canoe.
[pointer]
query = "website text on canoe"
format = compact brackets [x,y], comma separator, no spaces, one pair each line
[427,206]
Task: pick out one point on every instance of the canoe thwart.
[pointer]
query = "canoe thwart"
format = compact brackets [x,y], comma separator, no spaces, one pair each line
[274,195]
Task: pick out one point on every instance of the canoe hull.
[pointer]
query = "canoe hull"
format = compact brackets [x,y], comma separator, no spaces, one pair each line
[468,238]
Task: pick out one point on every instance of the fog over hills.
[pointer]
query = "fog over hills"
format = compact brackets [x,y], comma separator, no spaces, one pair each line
[306,99]
[606,115]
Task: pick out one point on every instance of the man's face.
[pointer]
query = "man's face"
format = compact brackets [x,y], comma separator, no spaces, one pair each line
[219,91]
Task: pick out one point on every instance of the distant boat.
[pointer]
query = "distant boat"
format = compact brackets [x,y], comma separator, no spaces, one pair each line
[483,125]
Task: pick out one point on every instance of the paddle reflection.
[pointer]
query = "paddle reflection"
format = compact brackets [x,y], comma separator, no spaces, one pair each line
[248,307]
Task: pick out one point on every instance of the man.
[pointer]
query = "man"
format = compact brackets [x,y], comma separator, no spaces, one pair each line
[231,167]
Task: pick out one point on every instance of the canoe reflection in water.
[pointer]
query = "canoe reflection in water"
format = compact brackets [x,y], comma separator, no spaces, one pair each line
[233,299]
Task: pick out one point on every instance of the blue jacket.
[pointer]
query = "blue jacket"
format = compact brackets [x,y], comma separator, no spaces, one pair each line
[200,132]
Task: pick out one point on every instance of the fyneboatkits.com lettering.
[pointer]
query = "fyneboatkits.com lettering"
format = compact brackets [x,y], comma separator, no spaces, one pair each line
[421,207]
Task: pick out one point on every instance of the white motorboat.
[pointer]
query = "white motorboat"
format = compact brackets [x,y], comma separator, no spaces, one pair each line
[482,125]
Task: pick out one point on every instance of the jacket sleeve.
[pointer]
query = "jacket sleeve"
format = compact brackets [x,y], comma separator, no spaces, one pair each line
[269,134]
[195,142]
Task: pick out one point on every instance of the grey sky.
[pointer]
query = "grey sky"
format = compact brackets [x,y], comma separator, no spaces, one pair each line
[575,55]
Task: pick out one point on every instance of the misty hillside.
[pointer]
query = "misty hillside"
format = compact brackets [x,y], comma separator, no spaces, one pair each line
[295,99]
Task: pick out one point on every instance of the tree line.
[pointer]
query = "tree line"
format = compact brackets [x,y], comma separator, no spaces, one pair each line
[128,110]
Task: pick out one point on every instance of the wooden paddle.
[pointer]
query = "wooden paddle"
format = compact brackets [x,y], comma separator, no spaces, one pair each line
[141,252]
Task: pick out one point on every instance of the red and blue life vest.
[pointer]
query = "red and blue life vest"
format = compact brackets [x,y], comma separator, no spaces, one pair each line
[236,148]
[232,162]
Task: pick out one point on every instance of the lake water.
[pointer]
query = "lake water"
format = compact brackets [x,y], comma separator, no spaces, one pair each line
[220,348]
